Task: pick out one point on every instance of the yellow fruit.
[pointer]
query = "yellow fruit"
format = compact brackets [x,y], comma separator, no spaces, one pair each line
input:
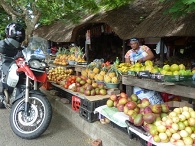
[148,63]
[107,79]
[100,77]
[102,73]
[91,74]
[96,70]
[96,77]
[111,74]
[84,73]
[114,80]
[138,65]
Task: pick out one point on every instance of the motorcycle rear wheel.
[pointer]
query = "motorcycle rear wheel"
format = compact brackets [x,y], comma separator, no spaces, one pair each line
[32,126]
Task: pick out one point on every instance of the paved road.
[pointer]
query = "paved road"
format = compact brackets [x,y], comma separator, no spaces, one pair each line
[60,133]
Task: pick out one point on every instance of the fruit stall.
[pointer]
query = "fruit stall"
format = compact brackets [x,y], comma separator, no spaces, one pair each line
[95,92]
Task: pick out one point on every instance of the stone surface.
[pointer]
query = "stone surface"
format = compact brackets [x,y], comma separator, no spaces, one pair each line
[109,135]
[61,132]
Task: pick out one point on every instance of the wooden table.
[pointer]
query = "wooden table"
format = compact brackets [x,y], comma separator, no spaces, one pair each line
[171,88]
[82,96]
[79,68]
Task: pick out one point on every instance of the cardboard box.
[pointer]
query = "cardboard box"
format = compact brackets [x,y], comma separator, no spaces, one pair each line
[178,104]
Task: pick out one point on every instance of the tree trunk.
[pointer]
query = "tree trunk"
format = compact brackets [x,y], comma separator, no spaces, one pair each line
[30,22]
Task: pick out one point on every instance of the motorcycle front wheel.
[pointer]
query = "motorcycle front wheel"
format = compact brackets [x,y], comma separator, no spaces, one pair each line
[33,125]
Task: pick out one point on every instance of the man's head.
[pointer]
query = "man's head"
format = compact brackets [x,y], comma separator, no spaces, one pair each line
[134,43]
[15,31]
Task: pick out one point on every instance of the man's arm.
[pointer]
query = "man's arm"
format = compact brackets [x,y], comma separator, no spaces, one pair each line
[127,60]
[150,56]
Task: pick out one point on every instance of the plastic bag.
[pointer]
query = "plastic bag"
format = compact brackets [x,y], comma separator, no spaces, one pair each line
[153,96]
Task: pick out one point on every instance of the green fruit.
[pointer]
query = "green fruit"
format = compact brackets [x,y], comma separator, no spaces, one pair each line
[166,67]
[138,120]
[110,103]
[174,67]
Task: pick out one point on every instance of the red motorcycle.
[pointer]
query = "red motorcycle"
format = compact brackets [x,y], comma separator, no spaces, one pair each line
[31,111]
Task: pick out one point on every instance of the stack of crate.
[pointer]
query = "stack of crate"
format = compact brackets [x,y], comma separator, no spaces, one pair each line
[76,101]
[87,108]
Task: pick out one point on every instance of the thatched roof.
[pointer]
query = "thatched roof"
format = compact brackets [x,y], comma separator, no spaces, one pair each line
[122,20]
[158,24]
[126,22]
[60,31]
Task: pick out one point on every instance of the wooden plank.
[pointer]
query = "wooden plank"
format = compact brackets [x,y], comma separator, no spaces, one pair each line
[90,98]
[174,89]
[79,68]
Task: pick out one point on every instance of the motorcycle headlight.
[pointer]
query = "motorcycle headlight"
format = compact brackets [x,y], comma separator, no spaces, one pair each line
[37,64]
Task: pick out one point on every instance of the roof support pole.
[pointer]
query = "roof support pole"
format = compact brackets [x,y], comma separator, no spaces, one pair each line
[162,51]
[87,52]
[123,51]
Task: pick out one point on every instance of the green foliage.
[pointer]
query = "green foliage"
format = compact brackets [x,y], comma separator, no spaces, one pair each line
[5,19]
[53,10]
[111,4]
[181,7]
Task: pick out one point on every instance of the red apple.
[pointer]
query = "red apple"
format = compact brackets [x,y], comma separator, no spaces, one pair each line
[129,99]
[122,94]
[120,107]
[147,109]
[87,92]
[103,92]
[113,97]
[156,108]
[131,105]
[95,85]
[78,84]
[109,103]
[100,86]
[115,103]
[123,100]
[82,82]
[84,78]
[97,91]
[125,109]
[137,110]
[141,111]
[145,102]
[78,89]
[134,97]
[78,79]
[130,112]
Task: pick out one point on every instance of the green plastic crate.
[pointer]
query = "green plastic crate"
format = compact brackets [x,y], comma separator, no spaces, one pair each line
[171,78]
[132,73]
[185,78]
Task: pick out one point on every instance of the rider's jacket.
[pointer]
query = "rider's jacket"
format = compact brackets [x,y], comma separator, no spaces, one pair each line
[9,47]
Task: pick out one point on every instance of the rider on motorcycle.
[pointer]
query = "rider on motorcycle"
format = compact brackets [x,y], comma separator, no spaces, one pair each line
[11,45]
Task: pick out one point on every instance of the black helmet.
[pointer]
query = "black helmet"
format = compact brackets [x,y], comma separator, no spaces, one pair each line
[15,31]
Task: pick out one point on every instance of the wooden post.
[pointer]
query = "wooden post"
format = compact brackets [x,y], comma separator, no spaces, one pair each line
[123,52]
[87,52]
[162,51]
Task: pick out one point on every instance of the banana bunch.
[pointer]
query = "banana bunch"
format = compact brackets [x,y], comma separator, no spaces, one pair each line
[124,67]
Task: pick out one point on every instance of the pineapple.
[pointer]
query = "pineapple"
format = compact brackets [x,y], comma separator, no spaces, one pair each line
[115,80]
[96,70]
[112,74]
[84,73]
[107,79]
[100,77]
[91,75]
[102,73]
